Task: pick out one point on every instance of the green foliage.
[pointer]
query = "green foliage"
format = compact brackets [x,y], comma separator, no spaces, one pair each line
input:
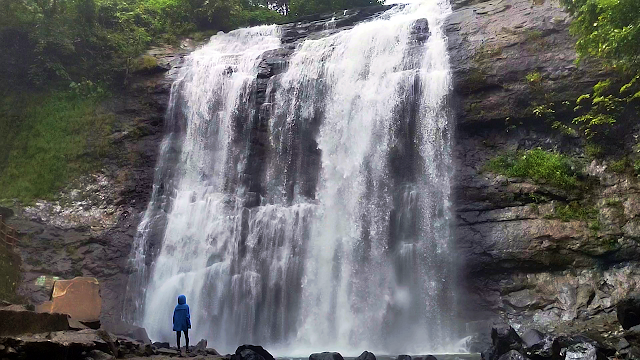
[544,111]
[63,135]
[297,8]
[539,165]
[534,78]
[575,211]
[144,63]
[607,29]
[619,166]
[593,150]
[60,41]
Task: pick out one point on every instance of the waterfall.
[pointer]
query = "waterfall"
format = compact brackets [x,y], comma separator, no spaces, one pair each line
[317,216]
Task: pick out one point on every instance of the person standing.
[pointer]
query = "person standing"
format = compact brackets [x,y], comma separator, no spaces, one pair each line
[182,321]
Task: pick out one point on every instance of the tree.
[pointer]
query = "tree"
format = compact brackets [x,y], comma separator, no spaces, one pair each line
[608,29]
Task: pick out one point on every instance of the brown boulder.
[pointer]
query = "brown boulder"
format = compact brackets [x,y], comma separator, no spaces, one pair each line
[79,297]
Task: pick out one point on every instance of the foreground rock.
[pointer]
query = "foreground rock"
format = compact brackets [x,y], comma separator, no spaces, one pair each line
[16,319]
[59,345]
[251,352]
[366,355]
[628,311]
[327,355]
[131,331]
[79,298]
[508,345]
[93,344]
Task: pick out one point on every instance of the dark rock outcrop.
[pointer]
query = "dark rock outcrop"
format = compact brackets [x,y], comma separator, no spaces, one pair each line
[366,355]
[505,338]
[251,352]
[326,356]
[538,345]
[532,337]
[628,311]
[18,320]
[59,345]
[512,355]
[121,328]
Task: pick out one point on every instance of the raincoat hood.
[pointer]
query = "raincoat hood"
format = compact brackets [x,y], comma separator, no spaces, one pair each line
[182,299]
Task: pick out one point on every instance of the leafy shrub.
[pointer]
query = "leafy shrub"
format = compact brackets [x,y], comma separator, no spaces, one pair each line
[619,166]
[534,78]
[539,165]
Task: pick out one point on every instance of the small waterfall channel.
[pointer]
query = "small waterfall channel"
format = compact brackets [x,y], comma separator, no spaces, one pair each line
[310,210]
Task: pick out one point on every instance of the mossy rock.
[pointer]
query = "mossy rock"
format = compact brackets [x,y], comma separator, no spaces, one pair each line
[146,64]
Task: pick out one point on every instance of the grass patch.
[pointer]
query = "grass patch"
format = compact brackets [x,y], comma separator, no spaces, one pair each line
[593,150]
[538,165]
[574,211]
[144,63]
[619,166]
[59,136]
[577,211]
[9,274]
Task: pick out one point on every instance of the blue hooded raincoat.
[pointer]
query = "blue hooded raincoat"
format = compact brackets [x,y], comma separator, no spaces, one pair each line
[181,315]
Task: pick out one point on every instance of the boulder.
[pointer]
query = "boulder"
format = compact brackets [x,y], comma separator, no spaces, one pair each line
[532,337]
[211,351]
[541,350]
[581,351]
[5,212]
[61,344]
[622,344]
[326,356]
[162,345]
[366,356]
[512,355]
[489,354]
[128,345]
[128,330]
[79,297]
[251,352]
[17,320]
[99,355]
[579,347]
[505,338]
[628,311]
[201,346]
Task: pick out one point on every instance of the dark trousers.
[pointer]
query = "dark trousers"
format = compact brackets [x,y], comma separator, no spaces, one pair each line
[186,338]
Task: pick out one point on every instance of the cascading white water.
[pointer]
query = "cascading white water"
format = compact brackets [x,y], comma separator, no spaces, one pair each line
[318,220]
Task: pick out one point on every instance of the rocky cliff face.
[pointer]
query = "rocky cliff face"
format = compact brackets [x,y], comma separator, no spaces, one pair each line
[90,229]
[517,262]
